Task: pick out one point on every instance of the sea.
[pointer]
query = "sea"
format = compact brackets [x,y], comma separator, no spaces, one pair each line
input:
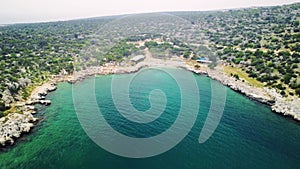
[248,134]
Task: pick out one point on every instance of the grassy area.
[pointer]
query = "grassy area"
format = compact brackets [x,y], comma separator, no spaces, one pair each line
[243,75]
[27,91]
[13,109]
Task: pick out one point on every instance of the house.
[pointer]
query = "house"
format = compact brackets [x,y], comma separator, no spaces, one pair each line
[204,60]
[137,58]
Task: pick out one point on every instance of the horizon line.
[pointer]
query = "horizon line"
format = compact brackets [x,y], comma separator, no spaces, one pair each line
[137,13]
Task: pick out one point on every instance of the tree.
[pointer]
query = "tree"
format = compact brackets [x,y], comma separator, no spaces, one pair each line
[297,91]
[287,78]
[236,76]
[282,92]
[186,54]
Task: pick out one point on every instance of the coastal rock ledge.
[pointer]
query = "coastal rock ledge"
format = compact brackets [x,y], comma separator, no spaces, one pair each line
[285,106]
[15,124]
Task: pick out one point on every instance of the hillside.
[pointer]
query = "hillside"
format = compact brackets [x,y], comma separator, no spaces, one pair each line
[259,45]
[264,43]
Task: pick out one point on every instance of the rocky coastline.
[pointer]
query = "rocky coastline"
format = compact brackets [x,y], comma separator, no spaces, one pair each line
[14,124]
[278,104]
[281,105]
[22,120]
[270,97]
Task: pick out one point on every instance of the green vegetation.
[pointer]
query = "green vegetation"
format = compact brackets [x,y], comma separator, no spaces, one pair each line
[168,49]
[31,53]
[239,74]
[260,45]
[120,51]
[263,42]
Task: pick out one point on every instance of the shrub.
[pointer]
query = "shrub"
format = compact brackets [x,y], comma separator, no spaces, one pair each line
[297,91]
[282,92]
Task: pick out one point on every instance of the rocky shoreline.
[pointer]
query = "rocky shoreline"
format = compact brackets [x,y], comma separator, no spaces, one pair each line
[285,106]
[278,104]
[14,124]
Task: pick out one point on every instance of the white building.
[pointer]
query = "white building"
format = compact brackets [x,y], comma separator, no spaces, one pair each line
[137,58]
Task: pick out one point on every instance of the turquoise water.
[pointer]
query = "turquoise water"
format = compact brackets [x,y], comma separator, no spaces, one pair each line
[248,136]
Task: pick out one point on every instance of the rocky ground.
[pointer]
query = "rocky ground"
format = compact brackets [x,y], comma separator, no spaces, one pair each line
[15,124]
[285,106]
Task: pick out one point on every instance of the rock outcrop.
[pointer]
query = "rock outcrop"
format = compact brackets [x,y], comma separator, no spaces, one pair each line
[285,106]
[14,124]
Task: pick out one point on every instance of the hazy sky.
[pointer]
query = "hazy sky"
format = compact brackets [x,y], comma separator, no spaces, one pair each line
[16,11]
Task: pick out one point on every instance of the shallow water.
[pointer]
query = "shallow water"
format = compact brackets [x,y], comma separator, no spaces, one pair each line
[248,136]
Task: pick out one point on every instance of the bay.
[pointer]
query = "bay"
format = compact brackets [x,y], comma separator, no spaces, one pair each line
[248,136]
